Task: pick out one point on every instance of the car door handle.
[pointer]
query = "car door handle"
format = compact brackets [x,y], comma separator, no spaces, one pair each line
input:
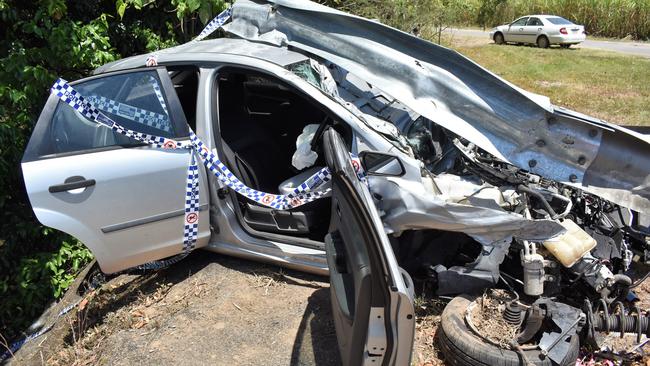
[71,183]
[521,29]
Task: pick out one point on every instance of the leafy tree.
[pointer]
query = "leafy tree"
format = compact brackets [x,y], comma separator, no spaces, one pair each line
[487,12]
[40,41]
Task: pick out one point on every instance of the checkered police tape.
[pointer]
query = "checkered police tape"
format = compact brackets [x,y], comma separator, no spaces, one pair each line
[158,92]
[214,24]
[135,114]
[14,347]
[301,195]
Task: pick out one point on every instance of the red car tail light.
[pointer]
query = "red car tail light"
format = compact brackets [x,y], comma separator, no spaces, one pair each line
[563,31]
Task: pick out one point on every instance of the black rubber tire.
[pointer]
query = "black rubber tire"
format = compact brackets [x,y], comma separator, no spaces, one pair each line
[462,347]
[498,38]
[542,42]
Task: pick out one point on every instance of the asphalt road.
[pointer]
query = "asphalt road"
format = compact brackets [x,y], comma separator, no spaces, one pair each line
[629,48]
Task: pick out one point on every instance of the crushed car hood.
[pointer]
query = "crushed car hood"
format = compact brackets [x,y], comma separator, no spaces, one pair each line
[442,85]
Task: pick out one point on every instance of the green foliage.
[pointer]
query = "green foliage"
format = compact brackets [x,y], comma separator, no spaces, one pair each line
[426,18]
[609,18]
[40,41]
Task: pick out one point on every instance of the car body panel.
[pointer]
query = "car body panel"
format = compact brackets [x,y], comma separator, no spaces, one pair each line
[122,219]
[133,212]
[533,29]
[502,119]
[515,32]
[372,304]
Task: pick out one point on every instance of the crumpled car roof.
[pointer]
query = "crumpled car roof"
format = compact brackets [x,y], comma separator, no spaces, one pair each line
[454,92]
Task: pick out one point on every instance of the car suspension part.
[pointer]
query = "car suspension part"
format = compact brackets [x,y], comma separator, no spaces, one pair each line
[618,321]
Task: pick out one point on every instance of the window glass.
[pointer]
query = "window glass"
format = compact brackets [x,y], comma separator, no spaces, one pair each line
[559,21]
[534,22]
[134,100]
[520,22]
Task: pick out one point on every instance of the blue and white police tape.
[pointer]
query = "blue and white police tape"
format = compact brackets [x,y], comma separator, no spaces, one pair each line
[301,195]
[14,347]
[214,24]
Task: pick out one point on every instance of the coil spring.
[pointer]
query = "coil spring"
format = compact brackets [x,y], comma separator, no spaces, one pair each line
[621,322]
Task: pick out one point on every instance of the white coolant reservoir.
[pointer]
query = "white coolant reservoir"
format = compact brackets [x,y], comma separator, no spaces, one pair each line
[569,247]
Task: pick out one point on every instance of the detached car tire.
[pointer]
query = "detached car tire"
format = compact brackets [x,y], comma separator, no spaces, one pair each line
[461,346]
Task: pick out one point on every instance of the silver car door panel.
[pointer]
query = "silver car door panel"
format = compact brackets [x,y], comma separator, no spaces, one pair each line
[120,198]
[372,305]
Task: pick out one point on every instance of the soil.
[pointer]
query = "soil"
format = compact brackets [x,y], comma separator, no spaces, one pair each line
[211,309]
[427,319]
[207,309]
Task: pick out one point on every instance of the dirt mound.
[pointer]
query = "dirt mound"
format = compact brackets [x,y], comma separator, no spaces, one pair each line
[206,309]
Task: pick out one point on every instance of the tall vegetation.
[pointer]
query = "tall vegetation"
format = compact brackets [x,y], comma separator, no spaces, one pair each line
[608,18]
[40,41]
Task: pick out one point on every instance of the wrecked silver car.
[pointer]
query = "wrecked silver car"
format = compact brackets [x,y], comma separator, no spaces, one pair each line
[337,145]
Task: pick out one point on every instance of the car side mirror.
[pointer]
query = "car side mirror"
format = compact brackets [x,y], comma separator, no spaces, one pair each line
[376,163]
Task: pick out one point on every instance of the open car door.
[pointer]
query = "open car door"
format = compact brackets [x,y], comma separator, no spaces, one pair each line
[123,199]
[372,299]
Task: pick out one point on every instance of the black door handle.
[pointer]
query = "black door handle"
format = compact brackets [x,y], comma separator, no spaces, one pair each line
[71,183]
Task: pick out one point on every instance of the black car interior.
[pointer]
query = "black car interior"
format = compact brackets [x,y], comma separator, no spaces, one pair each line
[186,85]
[260,118]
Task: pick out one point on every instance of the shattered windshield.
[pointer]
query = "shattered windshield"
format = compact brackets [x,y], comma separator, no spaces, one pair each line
[381,113]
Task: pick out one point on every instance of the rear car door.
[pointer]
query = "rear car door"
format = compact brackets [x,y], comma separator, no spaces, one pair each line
[515,31]
[534,27]
[124,200]
[372,298]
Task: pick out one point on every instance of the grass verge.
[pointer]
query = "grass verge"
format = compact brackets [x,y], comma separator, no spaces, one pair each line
[613,87]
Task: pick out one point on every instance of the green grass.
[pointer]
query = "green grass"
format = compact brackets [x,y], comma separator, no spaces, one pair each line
[606,85]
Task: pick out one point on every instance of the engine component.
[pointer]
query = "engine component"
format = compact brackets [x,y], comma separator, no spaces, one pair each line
[522,188]
[594,272]
[513,313]
[569,247]
[533,266]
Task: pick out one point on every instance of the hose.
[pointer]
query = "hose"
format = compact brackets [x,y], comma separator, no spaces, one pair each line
[639,281]
[540,197]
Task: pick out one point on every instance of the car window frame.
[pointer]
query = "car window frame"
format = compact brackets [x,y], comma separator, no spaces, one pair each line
[541,24]
[42,127]
[523,25]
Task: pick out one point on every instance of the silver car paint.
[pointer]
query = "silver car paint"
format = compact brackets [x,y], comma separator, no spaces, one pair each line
[124,177]
[232,239]
[550,30]
[400,210]
[485,109]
